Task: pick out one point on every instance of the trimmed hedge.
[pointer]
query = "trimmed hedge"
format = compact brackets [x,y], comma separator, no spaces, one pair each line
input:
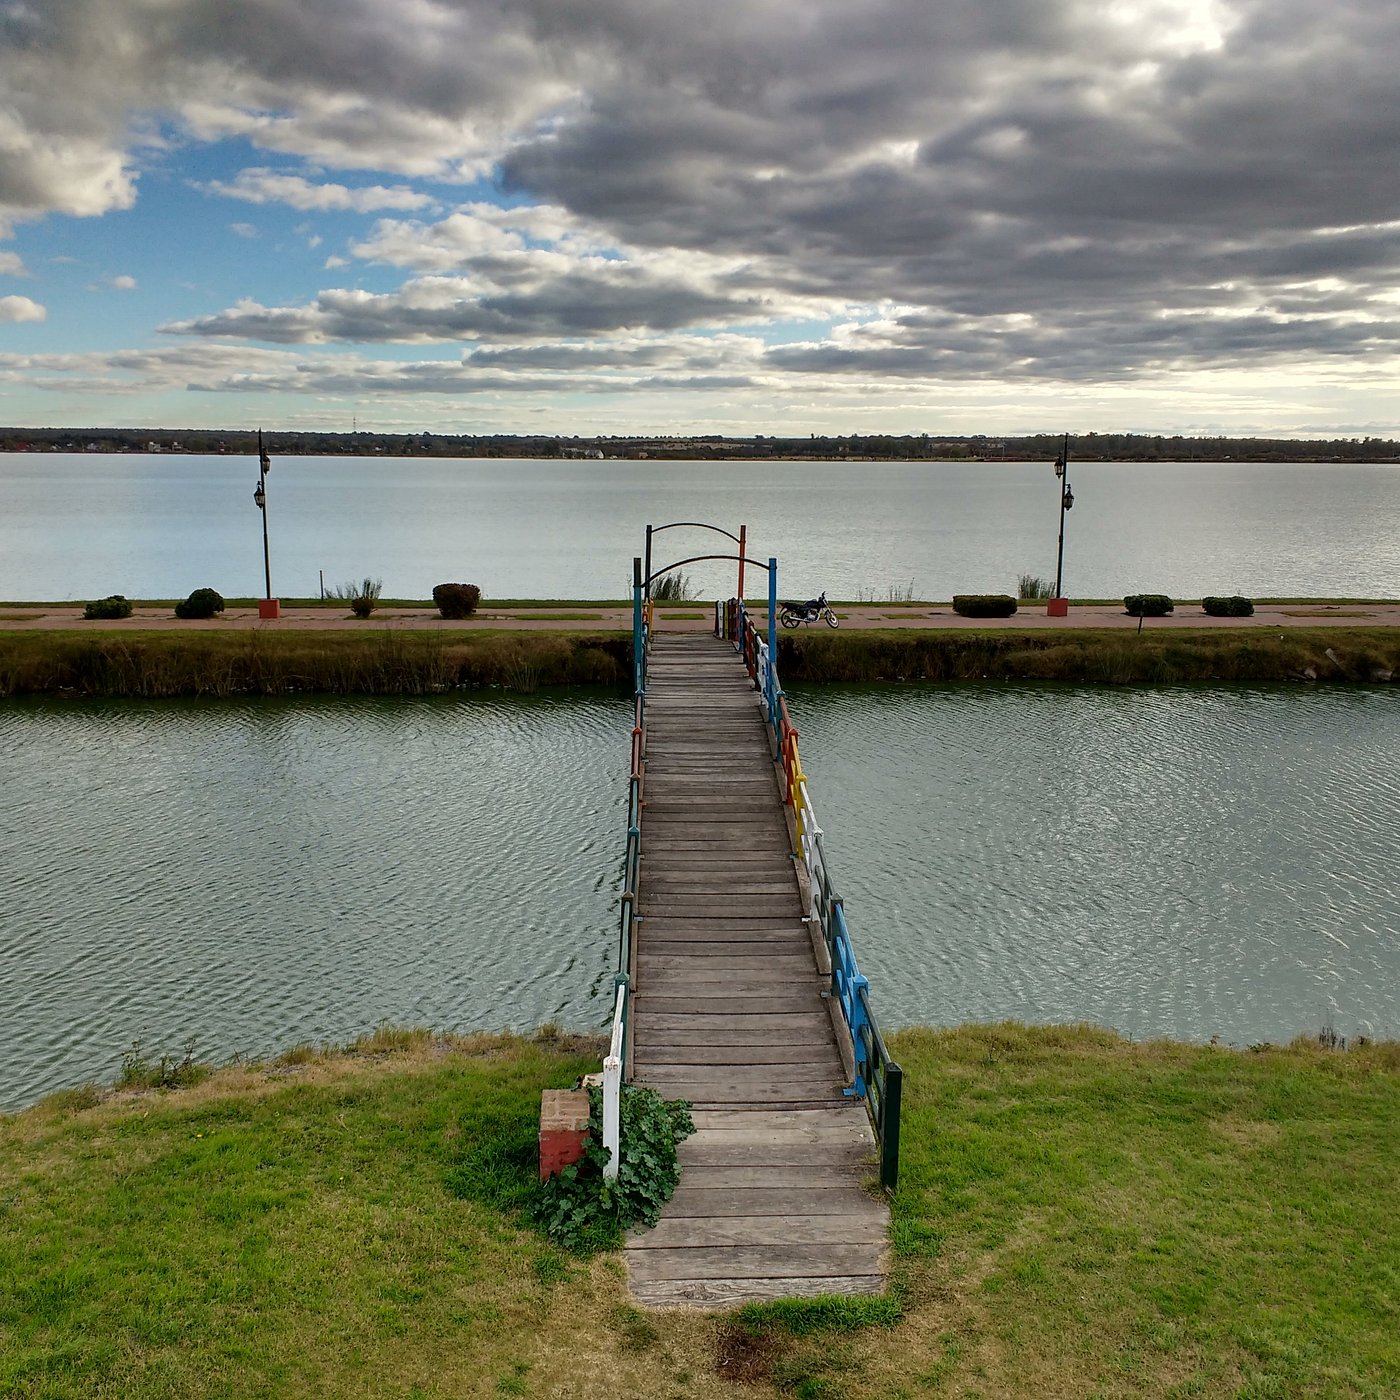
[983,604]
[1233,606]
[203,602]
[104,608]
[1148,605]
[456,600]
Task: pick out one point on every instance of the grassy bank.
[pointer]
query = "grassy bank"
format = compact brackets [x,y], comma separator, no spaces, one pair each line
[399,661]
[377,661]
[1077,1216]
[1094,656]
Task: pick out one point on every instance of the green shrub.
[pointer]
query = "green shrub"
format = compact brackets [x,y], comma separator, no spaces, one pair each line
[1234,606]
[456,600]
[583,1211]
[1148,605]
[1031,588]
[363,597]
[114,606]
[203,602]
[983,604]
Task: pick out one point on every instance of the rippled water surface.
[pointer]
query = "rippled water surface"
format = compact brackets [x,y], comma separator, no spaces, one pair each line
[84,526]
[1182,862]
[1185,862]
[256,875]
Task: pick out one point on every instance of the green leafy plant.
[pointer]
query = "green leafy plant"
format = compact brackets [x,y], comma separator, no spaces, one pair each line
[203,602]
[456,600]
[105,608]
[983,604]
[1032,588]
[581,1209]
[1233,606]
[1148,605]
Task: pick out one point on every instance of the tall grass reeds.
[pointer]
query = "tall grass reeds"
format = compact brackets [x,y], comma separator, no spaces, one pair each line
[385,661]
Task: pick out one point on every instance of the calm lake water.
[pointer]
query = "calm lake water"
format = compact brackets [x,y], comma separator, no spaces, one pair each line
[158,526]
[1184,862]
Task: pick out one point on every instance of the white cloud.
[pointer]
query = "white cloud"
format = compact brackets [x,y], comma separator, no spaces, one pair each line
[21,309]
[244,230]
[123,283]
[263,186]
[12,265]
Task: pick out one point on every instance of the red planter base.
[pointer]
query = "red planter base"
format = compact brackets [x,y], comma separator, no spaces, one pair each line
[1057,607]
[269,607]
[563,1129]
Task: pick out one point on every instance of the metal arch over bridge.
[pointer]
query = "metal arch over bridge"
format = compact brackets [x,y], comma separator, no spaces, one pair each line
[738,987]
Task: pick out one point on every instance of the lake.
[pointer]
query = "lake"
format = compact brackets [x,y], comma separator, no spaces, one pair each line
[1173,861]
[83,526]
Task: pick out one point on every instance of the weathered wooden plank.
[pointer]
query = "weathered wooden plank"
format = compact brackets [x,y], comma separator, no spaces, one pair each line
[769,1006]
[693,1152]
[731,1293]
[765,1081]
[735,930]
[701,967]
[649,1040]
[677,905]
[701,1022]
[776,1203]
[808,1179]
[748,1093]
[658,1055]
[753,1261]
[722,950]
[824,1231]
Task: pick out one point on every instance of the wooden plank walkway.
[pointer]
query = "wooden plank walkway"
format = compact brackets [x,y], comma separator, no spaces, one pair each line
[728,1013]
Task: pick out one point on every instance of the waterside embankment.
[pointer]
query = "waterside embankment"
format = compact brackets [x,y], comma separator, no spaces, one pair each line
[136,660]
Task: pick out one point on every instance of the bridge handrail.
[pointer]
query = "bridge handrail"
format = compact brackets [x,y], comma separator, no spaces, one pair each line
[878,1078]
[615,1065]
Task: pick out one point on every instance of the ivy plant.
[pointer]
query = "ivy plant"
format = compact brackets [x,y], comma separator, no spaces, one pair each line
[581,1209]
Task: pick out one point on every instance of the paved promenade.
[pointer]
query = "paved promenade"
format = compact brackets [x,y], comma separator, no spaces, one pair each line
[699,617]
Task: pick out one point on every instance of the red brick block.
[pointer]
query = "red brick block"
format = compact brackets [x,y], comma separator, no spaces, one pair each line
[563,1129]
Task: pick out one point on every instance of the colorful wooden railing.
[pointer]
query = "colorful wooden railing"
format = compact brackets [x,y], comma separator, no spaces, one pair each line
[878,1079]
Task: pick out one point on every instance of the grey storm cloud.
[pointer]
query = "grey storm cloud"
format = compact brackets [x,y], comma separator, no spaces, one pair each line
[1058,188]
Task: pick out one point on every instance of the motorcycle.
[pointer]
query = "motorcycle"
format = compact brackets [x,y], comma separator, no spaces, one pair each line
[813,610]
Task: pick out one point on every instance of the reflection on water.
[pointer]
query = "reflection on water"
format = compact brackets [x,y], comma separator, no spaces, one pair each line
[1185,862]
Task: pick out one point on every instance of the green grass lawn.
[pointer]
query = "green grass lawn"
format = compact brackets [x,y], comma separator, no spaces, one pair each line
[1077,1216]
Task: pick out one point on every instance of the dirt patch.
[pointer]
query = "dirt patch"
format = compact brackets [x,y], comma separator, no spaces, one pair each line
[746,1358]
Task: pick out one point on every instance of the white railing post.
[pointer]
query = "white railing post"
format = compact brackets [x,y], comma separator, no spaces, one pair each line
[612,1087]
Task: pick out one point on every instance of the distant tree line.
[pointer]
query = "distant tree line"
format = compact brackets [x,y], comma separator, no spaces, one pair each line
[1083,447]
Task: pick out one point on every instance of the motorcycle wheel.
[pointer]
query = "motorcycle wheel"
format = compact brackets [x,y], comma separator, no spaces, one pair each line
[789,619]
[829,617]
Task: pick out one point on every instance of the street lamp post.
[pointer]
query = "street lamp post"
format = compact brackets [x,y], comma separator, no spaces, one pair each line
[268,606]
[1058,606]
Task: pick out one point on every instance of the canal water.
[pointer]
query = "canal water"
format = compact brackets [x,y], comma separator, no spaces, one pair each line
[1189,862]
[86,525]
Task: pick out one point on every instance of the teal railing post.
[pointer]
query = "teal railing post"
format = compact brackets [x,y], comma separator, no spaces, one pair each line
[636,626]
[773,630]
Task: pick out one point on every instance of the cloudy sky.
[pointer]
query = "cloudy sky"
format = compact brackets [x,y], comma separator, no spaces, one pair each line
[940,216]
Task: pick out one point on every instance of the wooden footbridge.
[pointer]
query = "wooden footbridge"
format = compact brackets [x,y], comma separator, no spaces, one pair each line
[739,992]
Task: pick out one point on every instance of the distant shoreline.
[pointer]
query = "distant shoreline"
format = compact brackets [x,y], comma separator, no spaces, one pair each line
[1134,448]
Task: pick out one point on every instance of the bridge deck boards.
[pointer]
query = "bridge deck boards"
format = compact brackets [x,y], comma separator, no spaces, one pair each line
[728,1013]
